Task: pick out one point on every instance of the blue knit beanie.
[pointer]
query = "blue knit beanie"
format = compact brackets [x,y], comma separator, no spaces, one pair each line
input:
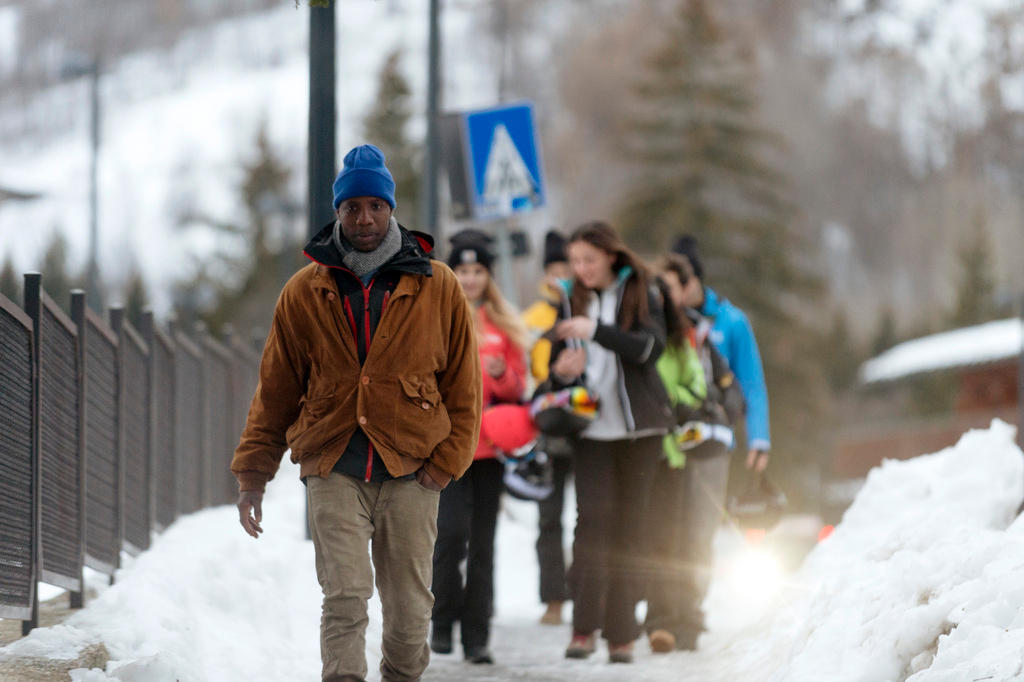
[364,175]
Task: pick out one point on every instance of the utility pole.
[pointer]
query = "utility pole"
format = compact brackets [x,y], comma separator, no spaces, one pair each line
[429,218]
[321,144]
[92,279]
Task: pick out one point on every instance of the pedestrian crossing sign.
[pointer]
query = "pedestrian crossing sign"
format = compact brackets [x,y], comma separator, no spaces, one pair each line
[503,160]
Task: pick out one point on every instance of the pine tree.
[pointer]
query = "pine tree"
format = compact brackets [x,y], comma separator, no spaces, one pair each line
[136,300]
[844,358]
[386,125]
[976,300]
[57,279]
[238,284]
[886,335]
[702,167]
[9,284]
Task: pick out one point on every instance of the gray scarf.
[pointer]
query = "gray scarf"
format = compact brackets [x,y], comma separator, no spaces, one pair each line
[364,262]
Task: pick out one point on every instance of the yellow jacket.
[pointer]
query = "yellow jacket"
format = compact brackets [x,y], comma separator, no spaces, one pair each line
[539,318]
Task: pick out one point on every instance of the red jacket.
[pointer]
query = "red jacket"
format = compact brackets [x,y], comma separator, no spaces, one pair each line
[508,388]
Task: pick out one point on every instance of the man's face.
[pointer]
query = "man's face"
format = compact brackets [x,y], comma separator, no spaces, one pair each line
[364,221]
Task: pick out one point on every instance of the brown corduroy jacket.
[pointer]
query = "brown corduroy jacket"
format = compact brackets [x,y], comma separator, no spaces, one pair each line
[417,396]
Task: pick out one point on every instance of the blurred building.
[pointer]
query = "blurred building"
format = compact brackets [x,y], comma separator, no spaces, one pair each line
[920,396]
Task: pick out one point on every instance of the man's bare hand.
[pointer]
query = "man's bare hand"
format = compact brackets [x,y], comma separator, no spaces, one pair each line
[250,511]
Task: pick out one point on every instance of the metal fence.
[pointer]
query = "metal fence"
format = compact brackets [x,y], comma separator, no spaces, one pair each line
[18,566]
[107,435]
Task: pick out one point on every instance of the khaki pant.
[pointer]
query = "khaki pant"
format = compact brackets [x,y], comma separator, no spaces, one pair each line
[398,518]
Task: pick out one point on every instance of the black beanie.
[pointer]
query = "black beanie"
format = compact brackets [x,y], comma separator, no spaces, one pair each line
[686,245]
[554,248]
[470,246]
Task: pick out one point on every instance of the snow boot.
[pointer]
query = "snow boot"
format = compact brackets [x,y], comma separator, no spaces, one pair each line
[582,645]
[620,653]
[553,614]
[441,639]
[479,655]
[662,641]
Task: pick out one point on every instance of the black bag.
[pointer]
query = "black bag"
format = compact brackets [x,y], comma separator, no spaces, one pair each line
[530,477]
[563,412]
[760,506]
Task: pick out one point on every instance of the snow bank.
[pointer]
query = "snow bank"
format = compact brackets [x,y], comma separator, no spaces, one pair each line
[921,581]
[207,602]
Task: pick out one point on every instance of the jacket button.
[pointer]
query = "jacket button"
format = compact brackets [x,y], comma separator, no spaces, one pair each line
[362,420]
[330,296]
[425,406]
[365,380]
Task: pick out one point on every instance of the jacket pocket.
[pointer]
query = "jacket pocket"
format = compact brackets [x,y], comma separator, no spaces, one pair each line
[311,430]
[318,407]
[421,420]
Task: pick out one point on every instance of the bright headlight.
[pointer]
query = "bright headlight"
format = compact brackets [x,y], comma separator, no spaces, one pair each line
[755,573]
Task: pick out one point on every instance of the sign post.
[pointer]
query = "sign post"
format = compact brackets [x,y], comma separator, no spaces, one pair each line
[501,171]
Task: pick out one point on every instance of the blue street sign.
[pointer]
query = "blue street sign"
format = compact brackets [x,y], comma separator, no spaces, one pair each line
[504,161]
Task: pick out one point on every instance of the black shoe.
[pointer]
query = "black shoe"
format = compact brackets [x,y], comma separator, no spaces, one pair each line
[441,639]
[479,655]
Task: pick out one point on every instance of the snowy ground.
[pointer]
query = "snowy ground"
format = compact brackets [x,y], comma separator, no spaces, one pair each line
[922,581]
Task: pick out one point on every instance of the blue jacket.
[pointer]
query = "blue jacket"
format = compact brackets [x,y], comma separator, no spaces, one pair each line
[732,336]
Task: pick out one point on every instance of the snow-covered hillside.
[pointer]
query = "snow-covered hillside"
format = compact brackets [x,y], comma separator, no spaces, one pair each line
[921,581]
[927,69]
[177,124]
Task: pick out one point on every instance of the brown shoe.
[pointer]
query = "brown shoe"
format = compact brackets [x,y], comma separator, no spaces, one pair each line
[662,641]
[553,615]
[582,645]
[620,653]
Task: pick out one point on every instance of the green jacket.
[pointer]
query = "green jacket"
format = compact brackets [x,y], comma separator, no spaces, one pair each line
[681,371]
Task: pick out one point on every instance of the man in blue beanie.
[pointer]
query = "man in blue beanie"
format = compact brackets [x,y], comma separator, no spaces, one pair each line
[371,376]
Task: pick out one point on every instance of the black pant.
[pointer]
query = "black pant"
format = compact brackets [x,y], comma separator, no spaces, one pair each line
[687,506]
[613,481]
[550,550]
[466,520]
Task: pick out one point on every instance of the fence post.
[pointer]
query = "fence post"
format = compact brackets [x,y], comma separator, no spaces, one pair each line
[32,293]
[115,316]
[202,338]
[147,331]
[78,317]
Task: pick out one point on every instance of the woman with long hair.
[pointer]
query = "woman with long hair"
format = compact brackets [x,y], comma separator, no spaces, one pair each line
[468,513]
[617,316]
